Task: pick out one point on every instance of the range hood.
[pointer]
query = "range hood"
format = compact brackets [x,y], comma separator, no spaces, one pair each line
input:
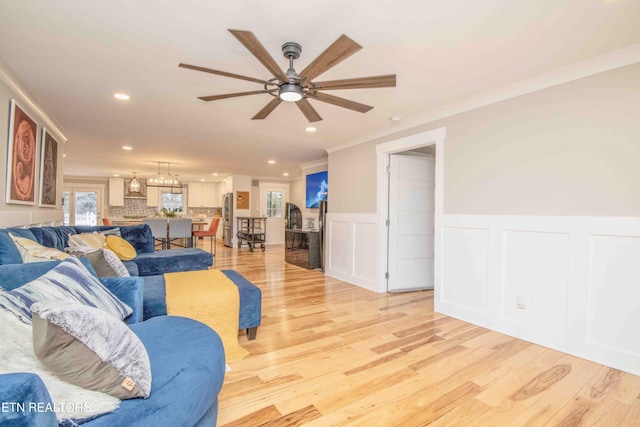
[135,195]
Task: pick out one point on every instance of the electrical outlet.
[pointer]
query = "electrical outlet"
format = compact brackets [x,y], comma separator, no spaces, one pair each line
[522,302]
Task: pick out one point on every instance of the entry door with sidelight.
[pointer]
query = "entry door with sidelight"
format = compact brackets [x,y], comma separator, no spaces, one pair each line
[411,222]
[82,205]
[273,199]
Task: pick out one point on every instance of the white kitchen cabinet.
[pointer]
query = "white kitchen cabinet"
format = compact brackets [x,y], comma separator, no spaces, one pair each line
[153,197]
[202,195]
[116,191]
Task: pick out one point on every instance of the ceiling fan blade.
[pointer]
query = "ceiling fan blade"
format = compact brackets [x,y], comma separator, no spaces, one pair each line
[249,40]
[340,102]
[340,50]
[232,95]
[267,109]
[309,112]
[225,74]
[357,83]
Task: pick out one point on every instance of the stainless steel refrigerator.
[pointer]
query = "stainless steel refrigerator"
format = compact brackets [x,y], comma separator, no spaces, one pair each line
[227,219]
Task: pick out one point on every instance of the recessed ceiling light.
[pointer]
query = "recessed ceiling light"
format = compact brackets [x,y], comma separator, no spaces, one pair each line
[272,162]
[310,129]
[64,155]
[126,147]
[201,179]
[121,96]
[285,174]
[214,174]
[395,119]
[116,175]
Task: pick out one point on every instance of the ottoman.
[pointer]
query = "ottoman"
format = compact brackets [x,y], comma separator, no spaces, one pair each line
[154,300]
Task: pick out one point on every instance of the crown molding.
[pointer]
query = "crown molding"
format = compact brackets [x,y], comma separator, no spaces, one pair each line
[8,77]
[599,64]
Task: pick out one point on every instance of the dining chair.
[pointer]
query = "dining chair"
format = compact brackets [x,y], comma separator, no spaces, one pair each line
[158,230]
[106,221]
[180,229]
[211,232]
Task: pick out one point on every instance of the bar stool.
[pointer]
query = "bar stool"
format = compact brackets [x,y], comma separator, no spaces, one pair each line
[180,229]
[211,232]
[158,230]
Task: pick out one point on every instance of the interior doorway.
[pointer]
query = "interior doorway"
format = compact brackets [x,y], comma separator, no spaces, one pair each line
[422,141]
[410,223]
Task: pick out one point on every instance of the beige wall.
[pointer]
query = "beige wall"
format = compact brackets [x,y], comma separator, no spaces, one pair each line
[572,149]
[352,180]
[16,214]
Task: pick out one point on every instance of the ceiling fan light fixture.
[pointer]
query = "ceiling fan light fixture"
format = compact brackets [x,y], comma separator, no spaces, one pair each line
[291,92]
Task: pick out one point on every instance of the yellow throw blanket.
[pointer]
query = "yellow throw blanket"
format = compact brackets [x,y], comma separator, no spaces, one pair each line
[211,298]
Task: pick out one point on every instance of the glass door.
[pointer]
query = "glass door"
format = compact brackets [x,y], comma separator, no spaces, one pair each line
[82,205]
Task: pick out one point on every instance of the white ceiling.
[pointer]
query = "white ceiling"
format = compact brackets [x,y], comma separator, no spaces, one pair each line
[74,54]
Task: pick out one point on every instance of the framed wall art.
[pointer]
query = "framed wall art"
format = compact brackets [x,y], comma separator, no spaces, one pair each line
[48,169]
[22,157]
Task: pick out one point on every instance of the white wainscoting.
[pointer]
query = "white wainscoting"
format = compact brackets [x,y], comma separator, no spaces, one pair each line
[351,250]
[31,218]
[569,283]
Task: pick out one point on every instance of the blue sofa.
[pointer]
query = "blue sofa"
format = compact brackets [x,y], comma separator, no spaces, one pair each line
[148,261]
[187,365]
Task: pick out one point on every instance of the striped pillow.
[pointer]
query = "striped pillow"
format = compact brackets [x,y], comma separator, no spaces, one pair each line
[67,281]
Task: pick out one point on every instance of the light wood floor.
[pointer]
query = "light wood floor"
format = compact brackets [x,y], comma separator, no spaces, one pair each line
[333,354]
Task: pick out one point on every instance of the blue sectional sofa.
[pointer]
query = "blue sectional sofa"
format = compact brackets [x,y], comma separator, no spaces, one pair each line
[148,261]
[187,364]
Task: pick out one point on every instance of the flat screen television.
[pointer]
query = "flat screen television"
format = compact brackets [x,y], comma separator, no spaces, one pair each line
[317,184]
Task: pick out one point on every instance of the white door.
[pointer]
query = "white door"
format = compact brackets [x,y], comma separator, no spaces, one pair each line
[273,198]
[82,205]
[411,222]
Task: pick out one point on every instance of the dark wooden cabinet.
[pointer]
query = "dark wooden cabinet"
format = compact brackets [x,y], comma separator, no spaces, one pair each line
[302,248]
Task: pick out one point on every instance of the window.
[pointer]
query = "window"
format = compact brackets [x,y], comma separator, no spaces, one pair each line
[172,202]
[274,204]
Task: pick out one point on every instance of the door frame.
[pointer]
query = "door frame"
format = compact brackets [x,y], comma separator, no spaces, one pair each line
[70,187]
[432,137]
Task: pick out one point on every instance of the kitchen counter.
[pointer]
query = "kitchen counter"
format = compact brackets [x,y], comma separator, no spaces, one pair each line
[302,247]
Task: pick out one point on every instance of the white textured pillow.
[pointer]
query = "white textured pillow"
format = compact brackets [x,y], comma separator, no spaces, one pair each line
[31,251]
[94,240]
[91,349]
[67,281]
[115,263]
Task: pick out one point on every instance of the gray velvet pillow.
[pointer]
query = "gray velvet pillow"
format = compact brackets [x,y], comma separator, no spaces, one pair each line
[91,349]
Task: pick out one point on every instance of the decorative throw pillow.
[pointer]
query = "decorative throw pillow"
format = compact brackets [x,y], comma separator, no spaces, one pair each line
[94,240]
[31,251]
[67,281]
[104,261]
[115,263]
[112,232]
[90,348]
[121,247]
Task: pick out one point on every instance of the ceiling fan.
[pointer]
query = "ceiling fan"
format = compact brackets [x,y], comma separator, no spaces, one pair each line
[298,87]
